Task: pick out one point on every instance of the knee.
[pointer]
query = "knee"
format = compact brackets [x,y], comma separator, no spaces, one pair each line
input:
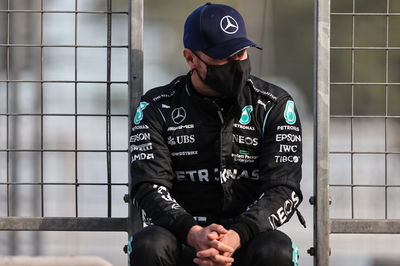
[153,239]
[275,248]
[153,245]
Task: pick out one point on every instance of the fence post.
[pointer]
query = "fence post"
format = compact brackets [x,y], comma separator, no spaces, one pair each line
[321,131]
[135,89]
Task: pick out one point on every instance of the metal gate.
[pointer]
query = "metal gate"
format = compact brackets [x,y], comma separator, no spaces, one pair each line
[47,122]
[356,120]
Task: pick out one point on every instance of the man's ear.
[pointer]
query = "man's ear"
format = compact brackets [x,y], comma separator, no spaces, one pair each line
[190,58]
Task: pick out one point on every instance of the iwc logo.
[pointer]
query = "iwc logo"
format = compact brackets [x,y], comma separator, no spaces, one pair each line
[290,115]
[139,112]
[229,25]
[246,117]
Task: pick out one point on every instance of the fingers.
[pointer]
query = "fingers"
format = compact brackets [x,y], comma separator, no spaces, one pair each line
[211,256]
[208,262]
[215,255]
[221,247]
[213,236]
[218,228]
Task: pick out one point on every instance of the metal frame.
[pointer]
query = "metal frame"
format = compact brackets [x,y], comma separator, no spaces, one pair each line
[135,87]
[323,224]
[320,251]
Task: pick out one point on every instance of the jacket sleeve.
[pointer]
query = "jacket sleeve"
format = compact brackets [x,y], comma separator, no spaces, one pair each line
[280,173]
[152,174]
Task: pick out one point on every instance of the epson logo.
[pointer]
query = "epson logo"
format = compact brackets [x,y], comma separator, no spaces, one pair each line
[245,140]
[139,137]
[288,137]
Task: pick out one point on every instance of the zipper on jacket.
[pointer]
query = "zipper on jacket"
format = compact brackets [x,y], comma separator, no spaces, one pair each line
[221,117]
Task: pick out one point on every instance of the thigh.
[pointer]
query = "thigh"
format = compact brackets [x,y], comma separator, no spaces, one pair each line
[268,249]
[154,245]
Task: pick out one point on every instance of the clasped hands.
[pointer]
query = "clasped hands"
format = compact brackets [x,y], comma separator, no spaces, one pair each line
[214,244]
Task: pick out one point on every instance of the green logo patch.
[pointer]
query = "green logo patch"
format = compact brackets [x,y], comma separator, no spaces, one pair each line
[246,117]
[290,115]
[243,152]
[139,112]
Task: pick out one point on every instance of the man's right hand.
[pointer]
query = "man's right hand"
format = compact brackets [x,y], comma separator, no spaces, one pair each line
[207,239]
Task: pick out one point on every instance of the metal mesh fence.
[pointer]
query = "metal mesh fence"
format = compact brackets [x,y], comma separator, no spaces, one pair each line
[364,120]
[63,114]
[357,120]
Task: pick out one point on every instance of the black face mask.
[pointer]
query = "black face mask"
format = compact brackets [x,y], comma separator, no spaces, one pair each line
[228,79]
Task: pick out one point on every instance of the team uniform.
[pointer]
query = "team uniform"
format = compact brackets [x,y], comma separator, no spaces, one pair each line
[201,160]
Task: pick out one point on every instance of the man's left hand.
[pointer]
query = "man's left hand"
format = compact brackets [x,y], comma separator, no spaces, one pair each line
[210,257]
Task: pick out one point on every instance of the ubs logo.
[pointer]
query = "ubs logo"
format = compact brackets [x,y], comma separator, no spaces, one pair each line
[178,115]
[229,25]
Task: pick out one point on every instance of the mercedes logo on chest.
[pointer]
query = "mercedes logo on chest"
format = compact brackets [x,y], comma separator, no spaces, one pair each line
[229,25]
[178,115]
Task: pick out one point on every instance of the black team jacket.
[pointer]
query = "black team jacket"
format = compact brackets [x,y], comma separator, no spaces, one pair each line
[236,162]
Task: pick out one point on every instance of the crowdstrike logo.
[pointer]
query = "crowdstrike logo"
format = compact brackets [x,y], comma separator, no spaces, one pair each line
[229,25]
[178,115]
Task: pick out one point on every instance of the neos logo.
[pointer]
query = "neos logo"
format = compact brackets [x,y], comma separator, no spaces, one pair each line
[229,25]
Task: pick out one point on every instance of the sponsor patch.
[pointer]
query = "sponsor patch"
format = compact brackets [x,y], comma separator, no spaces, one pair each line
[246,115]
[287,148]
[183,139]
[289,114]
[226,174]
[139,137]
[142,147]
[245,140]
[184,153]
[178,115]
[244,158]
[139,112]
[244,127]
[287,159]
[189,126]
[199,175]
[140,127]
[288,137]
[161,96]
[287,127]
[281,215]
[142,156]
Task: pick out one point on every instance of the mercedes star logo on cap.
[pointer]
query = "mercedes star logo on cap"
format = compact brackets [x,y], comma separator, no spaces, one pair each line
[178,115]
[229,25]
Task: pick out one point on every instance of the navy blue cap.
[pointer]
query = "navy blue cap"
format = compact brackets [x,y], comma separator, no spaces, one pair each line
[216,30]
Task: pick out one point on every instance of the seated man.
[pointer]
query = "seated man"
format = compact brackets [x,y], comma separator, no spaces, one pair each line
[216,156]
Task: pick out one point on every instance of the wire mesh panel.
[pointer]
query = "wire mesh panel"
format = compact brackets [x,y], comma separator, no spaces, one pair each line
[64,114]
[364,120]
[365,124]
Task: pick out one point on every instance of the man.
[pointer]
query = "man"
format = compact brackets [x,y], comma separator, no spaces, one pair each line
[216,156]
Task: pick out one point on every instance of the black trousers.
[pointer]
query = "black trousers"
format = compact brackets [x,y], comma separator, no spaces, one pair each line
[155,245]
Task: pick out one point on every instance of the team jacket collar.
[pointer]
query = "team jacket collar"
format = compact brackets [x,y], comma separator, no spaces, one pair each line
[209,105]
